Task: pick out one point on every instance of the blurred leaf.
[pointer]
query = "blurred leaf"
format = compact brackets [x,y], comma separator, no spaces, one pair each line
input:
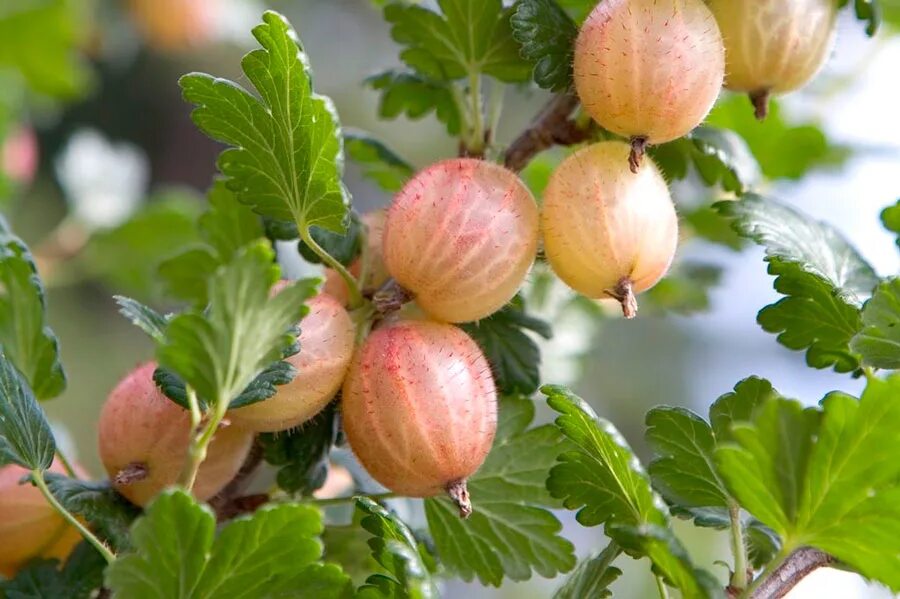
[466,38]
[509,534]
[224,228]
[537,173]
[415,96]
[578,9]
[686,289]
[28,439]
[302,453]
[823,276]
[719,157]
[129,255]
[286,157]
[592,577]
[79,578]
[347,547]
[514,358]
[890,218]
[395,548]
[706,222]
[343,247]
[219,351]
[378,162]
[546,35]
[25,337]
[99,504]
[867,11]
[275,552]
[604,479]
[143,317]
[40,40]
[783,150]
[878,343]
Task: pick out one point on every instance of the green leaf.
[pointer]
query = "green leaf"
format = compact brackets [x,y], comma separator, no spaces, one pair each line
[415,96]
[739,406]
[79,578]
[592,577]
[145,318]
[868,11]
[302,454]
[378,162]
[468,37]
[186,275]
[105,510]
[684,471]
[878,343]
[823,276]
[219,351]
[395,548]
[509,534]
[515,359]
[890,218]
[782,149]
[578,9]
[719,157]
[128,256]
[28,439]
[604,481]
[343,247]
[348,547]
[40,40]
[546,35]
[685,290]
[24,336]
[274,553]
[706,222]
[286,157]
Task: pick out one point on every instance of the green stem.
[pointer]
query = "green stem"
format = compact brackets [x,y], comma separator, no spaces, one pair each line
[200,442]
[738,548]
[495,110]
[661,588]
[349,498]
[476,143]
[38,476]
[461,107]
[66,464]
[356,298]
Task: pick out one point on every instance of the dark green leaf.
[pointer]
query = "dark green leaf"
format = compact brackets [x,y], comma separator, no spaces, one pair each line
[467,37]
[546,35]
[24,336]
[274,553]
[286,156]
[106,511]
[219,351]
[578,9]
[719,157]
[868,11]
[515,359]
[509,534]
[343,247]
[145,318]
[592,577]
[302,453]
[396,549]
[415,96]
[79,578]
[23,425]
[824,277]
[378,162]
[878,343]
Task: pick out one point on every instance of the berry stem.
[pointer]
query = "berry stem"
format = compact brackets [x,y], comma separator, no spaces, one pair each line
[624,294]
[38,476]
[638,149]
[66,464]
[459,493]
[661,588]
[201,440]
[760,101]
[739,579]
[356,298]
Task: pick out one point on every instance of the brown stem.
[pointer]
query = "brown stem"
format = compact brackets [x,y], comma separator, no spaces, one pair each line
[800,564]
[132,473]
[760,101]
[390,297]
[638,148]
[228,503]
[624,294]
[550,127]
[459,493]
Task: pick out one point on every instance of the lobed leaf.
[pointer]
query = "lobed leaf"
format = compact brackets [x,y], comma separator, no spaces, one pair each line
[592,576]
[378,162]
[415,96]
[546,36]
[878,343]
[79,578]
[27,438]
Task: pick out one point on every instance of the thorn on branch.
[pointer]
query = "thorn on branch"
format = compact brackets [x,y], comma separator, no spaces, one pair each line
[799,564]
[552,126]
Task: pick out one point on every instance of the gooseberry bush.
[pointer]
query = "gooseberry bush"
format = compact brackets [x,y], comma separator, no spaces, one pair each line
[416,349]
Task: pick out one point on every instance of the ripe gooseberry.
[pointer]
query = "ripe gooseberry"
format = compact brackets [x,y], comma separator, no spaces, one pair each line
[461,236]
[649,70]
[608,232]
[419,409]
[326,347]
[774,46]
[144,438]
[30,527]
[173,25]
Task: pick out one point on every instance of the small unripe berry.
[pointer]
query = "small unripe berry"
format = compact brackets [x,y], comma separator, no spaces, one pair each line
[326,347]
[461,236]
[774,46]
[29,526]
[144,438]
[608,232]
[649,70]
[419,408]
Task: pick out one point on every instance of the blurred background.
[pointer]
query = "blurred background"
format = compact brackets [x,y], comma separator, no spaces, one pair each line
[104,173]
